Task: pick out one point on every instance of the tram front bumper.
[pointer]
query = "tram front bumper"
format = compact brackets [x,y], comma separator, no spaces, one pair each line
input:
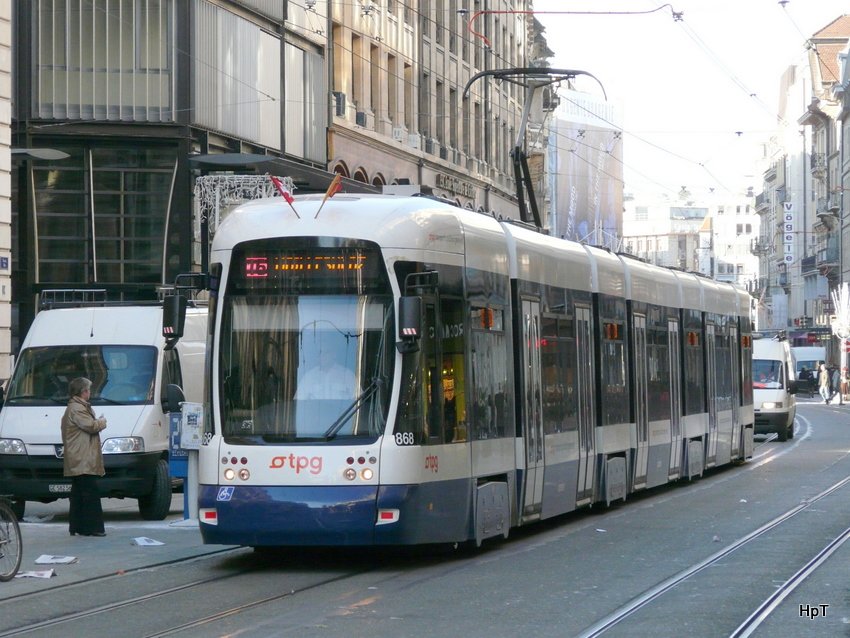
[280,516]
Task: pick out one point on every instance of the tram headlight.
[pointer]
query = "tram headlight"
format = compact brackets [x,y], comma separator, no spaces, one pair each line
[349,473]
[367,474]
[244,474]
[229,474]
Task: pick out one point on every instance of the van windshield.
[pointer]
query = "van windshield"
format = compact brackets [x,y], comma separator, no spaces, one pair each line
[120,375]
[767,374]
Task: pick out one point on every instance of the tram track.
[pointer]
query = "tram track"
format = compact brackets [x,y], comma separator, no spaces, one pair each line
[28,598]
[238,580]
[243,573]
[762,612]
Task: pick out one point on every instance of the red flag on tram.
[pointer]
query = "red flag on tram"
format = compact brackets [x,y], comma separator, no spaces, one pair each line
[284,192]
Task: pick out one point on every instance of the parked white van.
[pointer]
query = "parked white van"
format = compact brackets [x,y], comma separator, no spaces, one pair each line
[120,348]
[774,387]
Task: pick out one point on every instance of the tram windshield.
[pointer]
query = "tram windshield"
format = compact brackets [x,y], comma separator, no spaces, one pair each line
[300,363]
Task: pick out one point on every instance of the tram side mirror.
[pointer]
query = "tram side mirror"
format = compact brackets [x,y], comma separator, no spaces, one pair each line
[173,319]
[173,398]
[409,324]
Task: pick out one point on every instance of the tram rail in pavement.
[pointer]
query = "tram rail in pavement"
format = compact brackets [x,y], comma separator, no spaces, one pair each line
[44,531]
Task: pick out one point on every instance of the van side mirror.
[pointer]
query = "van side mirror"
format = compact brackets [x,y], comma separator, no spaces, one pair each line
[172,398]
[409,324]
[173,319]
[792,387]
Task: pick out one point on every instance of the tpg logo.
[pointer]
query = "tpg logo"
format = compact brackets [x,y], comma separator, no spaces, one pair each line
[297,463]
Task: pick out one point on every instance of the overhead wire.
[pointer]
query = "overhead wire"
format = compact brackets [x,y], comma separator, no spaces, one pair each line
[500,113]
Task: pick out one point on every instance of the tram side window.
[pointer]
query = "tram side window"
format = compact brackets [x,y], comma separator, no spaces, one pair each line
[694,373]
[659,374]
[723,378]
[453,372]
[492,406]
[418,423]
[434,398]
[746,361]
[558,363]
[615,402]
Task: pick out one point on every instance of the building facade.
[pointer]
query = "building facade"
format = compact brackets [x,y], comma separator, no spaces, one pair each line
[801,203]
[712,237]
[136,99]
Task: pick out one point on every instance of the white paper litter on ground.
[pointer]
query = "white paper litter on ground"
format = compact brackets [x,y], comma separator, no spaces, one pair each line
[145,541]
[48,559]
[43,573]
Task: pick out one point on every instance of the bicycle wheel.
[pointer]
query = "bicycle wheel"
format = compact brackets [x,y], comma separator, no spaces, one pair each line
[11,546]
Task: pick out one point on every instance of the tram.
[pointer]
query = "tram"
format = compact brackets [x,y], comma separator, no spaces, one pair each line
[388,370]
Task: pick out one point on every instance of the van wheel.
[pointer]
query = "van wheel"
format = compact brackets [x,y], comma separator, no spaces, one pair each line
[782,435]
[791,430]
[156,505]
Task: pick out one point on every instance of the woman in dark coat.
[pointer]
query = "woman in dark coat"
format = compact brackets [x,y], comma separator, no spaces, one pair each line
[83,460]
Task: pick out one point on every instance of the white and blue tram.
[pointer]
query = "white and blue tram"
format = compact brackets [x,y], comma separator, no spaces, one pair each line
[396,370]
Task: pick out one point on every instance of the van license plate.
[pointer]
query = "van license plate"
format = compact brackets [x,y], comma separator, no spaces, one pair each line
[61,487]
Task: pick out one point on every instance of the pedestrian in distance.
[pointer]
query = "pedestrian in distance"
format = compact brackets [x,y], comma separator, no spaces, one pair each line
[807,380]
[836,385]
[83,459]
[823,382]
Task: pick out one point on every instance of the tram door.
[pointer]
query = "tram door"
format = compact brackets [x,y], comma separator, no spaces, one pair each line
[711,394]
[586,412]
[674,354]
[532,423]
[641,394]
[735,356]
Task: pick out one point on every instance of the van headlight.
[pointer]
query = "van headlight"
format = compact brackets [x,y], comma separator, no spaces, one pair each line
[124,445]
[774,405]
[12,446]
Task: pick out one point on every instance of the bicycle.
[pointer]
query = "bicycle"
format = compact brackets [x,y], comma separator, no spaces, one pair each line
[11,545]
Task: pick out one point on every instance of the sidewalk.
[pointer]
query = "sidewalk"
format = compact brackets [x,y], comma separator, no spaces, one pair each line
[45,531]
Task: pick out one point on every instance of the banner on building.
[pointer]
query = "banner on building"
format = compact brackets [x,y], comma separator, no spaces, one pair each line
[788,232]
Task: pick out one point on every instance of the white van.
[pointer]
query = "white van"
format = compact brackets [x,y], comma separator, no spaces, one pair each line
[120,348]
[774,387]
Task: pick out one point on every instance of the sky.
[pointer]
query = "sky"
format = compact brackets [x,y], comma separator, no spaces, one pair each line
[698,95]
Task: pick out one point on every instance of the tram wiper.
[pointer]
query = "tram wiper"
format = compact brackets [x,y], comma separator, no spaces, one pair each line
[343,418]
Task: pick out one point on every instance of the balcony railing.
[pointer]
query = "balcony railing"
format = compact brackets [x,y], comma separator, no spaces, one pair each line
[828,255]
[818,164]
[808,265]
[763,202]
[760,246]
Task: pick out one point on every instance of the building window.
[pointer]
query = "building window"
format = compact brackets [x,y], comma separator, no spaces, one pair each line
[101,216]
[93,64]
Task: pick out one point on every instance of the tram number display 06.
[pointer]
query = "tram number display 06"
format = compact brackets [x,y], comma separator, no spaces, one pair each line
[267,267]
